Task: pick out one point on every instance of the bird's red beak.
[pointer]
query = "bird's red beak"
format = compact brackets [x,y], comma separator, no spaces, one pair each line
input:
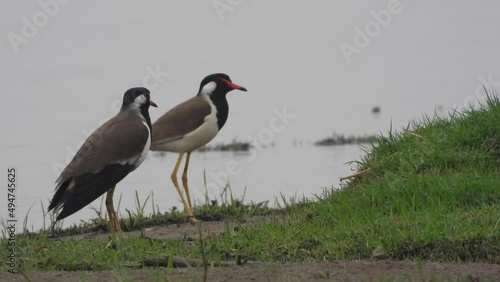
[151,103]
[233,85]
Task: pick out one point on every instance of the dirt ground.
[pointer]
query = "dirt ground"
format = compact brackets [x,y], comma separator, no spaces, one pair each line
[365,270]
[324,271]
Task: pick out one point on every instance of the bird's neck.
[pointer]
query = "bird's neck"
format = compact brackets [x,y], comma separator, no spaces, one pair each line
[222,107]
[145,114]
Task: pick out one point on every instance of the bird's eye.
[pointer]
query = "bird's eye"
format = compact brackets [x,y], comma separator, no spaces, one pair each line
[222,80]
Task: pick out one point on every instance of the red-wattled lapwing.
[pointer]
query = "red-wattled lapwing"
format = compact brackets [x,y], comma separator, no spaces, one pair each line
[111,152]
[192,124]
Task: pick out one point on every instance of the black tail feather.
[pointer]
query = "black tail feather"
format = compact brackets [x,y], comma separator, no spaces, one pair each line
[88,187]
[59,194]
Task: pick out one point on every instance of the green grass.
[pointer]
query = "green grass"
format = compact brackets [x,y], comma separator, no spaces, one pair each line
[226,207]
[430,195]
[430,192]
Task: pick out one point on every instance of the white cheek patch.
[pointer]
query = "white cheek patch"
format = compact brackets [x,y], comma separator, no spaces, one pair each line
[138,102]
[208,88]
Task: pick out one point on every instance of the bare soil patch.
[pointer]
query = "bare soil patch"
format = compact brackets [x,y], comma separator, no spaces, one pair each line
[324,271]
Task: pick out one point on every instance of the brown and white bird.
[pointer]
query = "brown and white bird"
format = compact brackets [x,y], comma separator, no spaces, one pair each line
[192,124]
[109,154]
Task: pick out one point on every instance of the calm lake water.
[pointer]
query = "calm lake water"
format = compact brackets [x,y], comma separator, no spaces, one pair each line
[72,67]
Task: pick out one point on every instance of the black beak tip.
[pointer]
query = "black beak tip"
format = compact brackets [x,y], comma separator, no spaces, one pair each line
[151,103]
[243,89]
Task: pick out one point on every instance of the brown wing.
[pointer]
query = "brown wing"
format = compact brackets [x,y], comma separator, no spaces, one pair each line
[121,138]
[180,120]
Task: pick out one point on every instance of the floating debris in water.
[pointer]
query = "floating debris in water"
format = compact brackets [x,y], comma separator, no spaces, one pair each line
[340,139]
[233,146]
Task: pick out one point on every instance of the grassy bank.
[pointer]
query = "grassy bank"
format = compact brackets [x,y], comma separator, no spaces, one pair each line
[429,192]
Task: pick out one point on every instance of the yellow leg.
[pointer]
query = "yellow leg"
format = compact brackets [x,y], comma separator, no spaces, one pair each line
[114,224]
[176,184]
[186,189]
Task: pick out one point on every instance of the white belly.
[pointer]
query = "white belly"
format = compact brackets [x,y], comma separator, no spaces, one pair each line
[195,139]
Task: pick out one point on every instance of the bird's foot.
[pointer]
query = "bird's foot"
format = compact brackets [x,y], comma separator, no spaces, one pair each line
[193,220]
[188,218]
